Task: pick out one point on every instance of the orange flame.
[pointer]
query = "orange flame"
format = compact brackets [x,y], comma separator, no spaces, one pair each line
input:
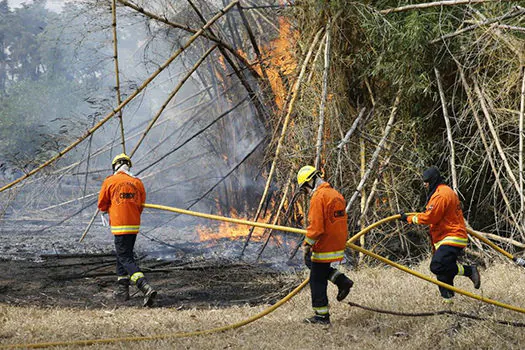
[234,231]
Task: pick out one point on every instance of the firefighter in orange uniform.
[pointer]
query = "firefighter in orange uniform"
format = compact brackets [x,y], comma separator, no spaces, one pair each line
[448,232]
[325,241]
[122,196]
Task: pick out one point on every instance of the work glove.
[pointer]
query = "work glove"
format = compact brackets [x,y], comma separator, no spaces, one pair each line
[403,216]
[104,220]
[307,255]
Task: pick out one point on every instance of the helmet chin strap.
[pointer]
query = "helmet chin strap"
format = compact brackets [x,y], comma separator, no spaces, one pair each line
[310,184]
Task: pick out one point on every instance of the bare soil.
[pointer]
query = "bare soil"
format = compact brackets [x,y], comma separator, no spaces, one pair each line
[88,281]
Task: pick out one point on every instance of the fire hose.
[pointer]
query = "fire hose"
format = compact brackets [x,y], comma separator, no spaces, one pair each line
[265,312]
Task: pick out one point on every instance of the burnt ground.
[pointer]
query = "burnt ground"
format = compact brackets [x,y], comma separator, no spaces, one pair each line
[46,266]
[88,281]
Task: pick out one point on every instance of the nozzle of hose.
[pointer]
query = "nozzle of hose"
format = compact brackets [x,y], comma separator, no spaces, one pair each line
[519,261]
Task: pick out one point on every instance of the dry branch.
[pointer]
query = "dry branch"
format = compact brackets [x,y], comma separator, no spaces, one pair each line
[435,4]
[515,12]
[125,102]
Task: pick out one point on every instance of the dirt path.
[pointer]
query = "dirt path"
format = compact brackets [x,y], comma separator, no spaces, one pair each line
[88,281]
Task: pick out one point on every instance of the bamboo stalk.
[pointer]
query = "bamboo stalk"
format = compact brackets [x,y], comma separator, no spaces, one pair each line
[495,137]
[194,31]
[89,225]
[170,97]
[470,101]
[362,172]
[126,101]
[115,57]
[193,136]
[378,149]
[452,157]
[276,218]
[522,111]
[295,93]
[253,41]
[316,58]
[501,239]
[324,94]
[435,4]
[515,12]
[119,101]
[262,113]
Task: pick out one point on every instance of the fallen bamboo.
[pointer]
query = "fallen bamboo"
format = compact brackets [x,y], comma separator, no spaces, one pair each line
[378,149]
[170,97]
[125,102]
[256,49]
[262,113]
[248,155]
[194,31]
[193,136]
[435,4]
[280,207]
[515,12]
[295,93]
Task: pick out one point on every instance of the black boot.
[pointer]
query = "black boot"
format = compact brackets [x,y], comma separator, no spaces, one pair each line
[122,292]
[318,319]
[344,284]
[148,291]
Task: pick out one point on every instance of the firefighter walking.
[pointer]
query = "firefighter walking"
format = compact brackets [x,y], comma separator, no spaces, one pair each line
[122,196]
[325,241]
[448,232]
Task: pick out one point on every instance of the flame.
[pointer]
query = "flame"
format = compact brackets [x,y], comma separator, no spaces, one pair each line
[279,55]
[228,230]
[232,231]
[279,59]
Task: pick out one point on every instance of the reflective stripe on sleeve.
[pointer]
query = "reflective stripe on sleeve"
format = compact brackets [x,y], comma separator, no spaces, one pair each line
[310,241]
[415,220]
[461,270]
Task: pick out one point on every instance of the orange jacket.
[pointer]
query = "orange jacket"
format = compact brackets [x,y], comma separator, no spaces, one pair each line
[327,230]
[122,196]
[445,217]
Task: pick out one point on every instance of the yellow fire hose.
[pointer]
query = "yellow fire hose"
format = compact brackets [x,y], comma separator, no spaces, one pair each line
[350,244]
[286,298]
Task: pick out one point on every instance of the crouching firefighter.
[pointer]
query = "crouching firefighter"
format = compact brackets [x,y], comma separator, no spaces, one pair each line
[325,241]
[122,196]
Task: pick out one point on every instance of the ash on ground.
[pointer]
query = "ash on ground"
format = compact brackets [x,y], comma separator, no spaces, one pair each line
[45,267]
